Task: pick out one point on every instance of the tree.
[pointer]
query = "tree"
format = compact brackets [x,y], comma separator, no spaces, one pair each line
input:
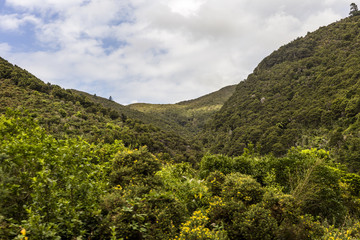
[354,11]
[51,187]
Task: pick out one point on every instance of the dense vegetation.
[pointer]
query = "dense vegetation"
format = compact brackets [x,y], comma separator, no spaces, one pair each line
[67,113]
[69,188]
[152,119]
[283,160]
[304,94]
[187,117]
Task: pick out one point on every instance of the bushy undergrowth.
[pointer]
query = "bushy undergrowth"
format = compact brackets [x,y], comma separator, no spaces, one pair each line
[69,188]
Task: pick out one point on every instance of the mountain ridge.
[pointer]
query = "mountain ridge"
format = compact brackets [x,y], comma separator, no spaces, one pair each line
[304,93]
[189,116]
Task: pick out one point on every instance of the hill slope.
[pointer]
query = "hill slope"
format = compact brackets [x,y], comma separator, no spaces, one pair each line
[188,117]
[66,113]
[305,93]
[158,121]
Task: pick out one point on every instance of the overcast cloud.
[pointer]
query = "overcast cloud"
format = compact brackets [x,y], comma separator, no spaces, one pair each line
[158,51]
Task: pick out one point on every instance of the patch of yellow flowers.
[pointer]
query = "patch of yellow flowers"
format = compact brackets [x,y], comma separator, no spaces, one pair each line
[332,233]
[194,229]
[23,234]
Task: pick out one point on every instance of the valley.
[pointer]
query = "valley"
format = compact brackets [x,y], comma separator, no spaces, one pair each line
[276,156]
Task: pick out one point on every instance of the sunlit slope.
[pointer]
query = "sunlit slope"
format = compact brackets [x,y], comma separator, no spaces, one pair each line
[188,117]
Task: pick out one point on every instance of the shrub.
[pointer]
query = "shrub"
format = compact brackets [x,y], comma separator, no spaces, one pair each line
[210,163]
[180,179]
[134,166]
[256,223]
[214,182]
[195,229]
[243,188]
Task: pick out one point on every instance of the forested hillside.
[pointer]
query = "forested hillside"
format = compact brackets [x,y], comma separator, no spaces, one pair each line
[282,157]
[304,94]
[158,121]
[67,113]
[187,117]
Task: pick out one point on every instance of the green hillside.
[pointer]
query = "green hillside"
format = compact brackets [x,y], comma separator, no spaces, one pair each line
[307,93]
[159,121]
[187,117]
[66,113]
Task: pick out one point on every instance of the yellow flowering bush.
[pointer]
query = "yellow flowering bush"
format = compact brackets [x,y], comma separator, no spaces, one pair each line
[304,227]
[332,233]
[195,229]
[214,182]
[283,207]
[350,231]
[256,223]
[131,166]
[242,187]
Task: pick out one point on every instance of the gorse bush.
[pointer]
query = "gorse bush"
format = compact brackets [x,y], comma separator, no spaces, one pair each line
[195,229]
[242,188]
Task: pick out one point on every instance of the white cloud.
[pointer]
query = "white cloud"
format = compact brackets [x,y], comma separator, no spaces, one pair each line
[5,48]
[319,19]
[15,21]
[159,50]
[186,7]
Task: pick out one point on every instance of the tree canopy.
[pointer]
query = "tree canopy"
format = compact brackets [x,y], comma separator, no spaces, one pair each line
[354,11]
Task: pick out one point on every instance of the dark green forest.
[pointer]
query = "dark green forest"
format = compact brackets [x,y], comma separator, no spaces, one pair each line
[276,157]
[304,94]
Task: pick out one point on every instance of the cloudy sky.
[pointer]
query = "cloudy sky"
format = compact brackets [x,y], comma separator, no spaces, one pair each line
[155,51]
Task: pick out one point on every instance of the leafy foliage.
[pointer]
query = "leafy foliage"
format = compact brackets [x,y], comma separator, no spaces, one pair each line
[52,187]
[69,188]
[305,93]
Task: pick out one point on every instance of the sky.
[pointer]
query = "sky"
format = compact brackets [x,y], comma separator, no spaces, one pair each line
[153,51]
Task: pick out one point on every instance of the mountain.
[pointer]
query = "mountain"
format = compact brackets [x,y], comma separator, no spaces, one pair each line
[187,117]
[306,93]
[67,113]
